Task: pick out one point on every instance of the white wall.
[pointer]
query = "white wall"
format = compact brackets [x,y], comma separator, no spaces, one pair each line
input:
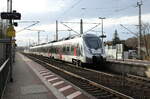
[115,52]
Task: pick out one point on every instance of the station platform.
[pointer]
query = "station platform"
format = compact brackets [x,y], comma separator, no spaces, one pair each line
[131,61]
[33,81]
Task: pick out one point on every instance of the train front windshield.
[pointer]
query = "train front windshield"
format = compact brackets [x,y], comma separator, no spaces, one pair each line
[93,42]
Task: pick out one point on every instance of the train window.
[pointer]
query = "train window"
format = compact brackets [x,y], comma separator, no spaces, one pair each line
[68,48]
[78,51]
[72,50]
[37,50]
[55,49]
[52,50]
[64,49]
[93,42]
[41,49]
[46,50]
[58,49]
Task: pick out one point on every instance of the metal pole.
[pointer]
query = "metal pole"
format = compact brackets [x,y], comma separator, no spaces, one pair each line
[10,5]
[47,38]
[56,30]
[140,30]
[7,5]
[102,30]
[102,27]
[38,37]
[9,9]
[81,26]
[69,33]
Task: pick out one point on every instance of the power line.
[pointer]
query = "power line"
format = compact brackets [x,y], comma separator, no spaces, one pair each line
[116,9]
[125,8]
[71,7]
[79,22]
[92,28]
[129,30]
[70,28]
[35,22]
[38,33]
[113,10]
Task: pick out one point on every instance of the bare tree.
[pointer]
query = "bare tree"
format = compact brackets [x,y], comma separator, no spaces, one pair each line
[146,37]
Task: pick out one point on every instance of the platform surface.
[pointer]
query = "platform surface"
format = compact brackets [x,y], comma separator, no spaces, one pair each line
[33,81]
[26,84]
[132,61]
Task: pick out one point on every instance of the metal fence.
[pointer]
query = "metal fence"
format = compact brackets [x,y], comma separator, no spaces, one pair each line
[5,70]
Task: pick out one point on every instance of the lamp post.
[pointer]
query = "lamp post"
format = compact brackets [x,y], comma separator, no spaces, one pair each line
[9,9]
[102,36]
[139,4]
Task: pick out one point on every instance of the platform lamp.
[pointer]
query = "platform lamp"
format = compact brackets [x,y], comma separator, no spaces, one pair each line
[102,36]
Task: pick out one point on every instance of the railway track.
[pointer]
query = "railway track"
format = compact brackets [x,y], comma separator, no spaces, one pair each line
[99,84]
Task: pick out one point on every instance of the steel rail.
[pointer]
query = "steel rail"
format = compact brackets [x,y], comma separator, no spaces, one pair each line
[1,68]
[138,77]
[4,64]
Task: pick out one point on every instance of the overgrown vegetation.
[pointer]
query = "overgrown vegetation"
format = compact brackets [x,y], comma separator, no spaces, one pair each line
[145,41]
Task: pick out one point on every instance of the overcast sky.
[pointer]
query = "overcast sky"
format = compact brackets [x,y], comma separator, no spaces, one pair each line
[47,12]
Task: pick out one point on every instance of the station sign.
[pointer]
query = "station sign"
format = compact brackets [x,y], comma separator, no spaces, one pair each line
[11,15]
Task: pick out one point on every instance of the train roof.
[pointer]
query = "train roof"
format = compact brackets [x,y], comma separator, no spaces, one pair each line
[64,39]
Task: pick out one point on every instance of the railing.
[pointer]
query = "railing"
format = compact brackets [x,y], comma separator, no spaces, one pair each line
[4,76]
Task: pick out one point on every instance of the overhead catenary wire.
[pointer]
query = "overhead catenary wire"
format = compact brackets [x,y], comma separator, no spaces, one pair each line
[70,8]
[92,28]
[35,22]
[70,28]
[28,21]
[129,30]
[112,11]
[79,22]
[115,10]
[125,8]
[36,30]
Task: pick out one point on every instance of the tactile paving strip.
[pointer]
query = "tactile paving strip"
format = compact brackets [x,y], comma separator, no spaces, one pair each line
[69,91]
[66,89]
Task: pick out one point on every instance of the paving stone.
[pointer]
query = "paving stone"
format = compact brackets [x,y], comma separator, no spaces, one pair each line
[31,89]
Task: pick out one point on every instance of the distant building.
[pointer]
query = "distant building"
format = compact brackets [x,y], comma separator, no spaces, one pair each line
[119,51]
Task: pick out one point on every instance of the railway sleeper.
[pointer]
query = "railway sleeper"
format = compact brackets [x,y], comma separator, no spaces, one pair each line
[91,88]
[105,96]
[101,93]
[85,85]
[137,85]
[98,91]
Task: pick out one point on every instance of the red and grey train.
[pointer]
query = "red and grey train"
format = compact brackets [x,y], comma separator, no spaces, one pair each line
[83,49]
